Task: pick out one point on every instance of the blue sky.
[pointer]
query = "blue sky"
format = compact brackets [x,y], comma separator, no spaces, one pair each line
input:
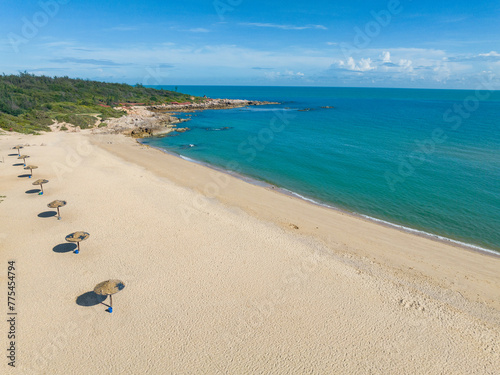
[394,43]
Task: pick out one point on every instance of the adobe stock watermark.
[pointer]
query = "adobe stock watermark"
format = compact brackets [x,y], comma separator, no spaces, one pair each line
[31,26]
[363,37]
[262,311]
[224,6]
[74,157]
[292,280]
[423,149]
[249,148]
[155,74]
[54,345]
[254,144]
[66,334]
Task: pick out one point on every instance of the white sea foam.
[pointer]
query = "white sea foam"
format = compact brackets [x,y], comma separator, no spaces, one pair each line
[383,222]
[267,109]
[397,226]
[189,159]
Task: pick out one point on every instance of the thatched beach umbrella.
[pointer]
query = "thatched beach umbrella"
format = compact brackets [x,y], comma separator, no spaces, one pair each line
[108,288]
[40,182]
[31,167]
[57,204]
[77,237]
[24,158]
[18,148]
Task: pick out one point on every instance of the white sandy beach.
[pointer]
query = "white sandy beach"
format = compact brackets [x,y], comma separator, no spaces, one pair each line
[218,278]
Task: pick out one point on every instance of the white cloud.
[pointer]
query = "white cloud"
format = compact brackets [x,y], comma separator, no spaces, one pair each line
[399,65]
[485,57]
[441,71]
[386,57]
[199,30]
[195,59]
[284,27]
[123,28]
[231,64]
[287,74]
[490,54]
[58,44]
[362,65]
[406,65]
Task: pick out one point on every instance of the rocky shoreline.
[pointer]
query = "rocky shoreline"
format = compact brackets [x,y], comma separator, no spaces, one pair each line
[148,121]
[208,104]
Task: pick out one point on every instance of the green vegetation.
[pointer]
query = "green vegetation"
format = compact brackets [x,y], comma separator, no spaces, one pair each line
[30,103]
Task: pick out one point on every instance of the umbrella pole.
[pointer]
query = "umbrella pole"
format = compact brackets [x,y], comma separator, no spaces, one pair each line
[41,187]
[77,248]
[110,303]
[58,214]
[31,171]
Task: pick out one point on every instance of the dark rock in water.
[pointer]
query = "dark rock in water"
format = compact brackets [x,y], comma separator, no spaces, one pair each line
[328,106]
[142,132]
[217,129]
[168,135]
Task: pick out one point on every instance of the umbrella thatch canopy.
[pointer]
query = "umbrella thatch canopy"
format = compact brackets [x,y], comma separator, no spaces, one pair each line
[31,167]
[108,288]
[18,148]
[40,182]
[57,204]
[77,237]
[24,158]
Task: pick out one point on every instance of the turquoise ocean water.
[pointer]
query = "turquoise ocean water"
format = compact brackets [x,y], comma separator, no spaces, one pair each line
[428,160]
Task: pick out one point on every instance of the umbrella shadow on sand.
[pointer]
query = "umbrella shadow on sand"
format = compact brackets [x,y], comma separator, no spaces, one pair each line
[47,214]
[90,299]
[32,191]
[64,247]
[12,155]
[23,175]
[17,164]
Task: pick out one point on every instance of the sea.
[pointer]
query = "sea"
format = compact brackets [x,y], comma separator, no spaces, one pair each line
[426,161]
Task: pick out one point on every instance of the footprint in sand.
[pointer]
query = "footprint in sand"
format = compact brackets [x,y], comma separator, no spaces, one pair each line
[411,305]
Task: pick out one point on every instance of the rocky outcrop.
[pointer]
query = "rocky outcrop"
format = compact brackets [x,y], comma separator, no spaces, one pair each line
[141,132]
[139,122]
[142,121]
[207,104]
